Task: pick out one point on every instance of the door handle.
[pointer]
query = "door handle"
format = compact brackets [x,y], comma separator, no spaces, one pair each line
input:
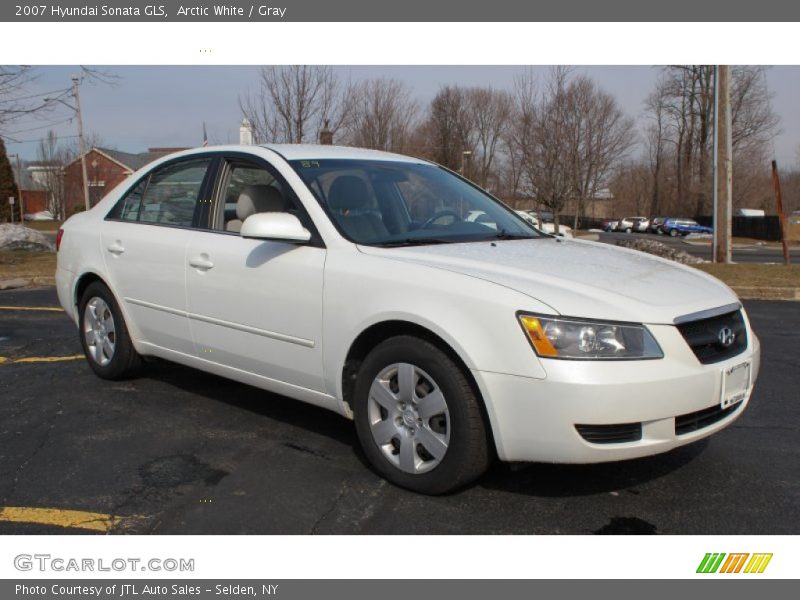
[201,262]
[116,248]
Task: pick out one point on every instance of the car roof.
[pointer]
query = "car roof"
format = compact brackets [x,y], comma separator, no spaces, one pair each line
[319,151]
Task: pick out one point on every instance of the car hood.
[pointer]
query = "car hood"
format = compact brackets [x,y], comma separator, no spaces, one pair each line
[578,278]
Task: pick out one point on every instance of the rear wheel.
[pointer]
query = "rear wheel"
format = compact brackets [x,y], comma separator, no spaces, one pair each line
[673,233]
[418,418]
[104,336]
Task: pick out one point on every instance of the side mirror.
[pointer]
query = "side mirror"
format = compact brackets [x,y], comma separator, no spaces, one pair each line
[277,226]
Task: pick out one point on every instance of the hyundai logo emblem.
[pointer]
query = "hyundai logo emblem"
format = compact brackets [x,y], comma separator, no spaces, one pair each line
[726,337]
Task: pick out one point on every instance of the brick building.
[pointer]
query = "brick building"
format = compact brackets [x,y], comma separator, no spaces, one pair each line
[105,169]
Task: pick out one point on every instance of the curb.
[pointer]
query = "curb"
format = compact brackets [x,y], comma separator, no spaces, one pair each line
[767,293]
[19,283]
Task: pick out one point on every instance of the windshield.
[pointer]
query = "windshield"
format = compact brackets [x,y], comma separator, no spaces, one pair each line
[387,203]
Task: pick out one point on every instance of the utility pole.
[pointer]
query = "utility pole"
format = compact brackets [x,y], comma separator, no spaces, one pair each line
[723,160]
[776,183]
[81,141]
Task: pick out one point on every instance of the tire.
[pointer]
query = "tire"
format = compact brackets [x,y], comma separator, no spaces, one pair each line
[673,233]
[412,437]
[99,315]
[627,230]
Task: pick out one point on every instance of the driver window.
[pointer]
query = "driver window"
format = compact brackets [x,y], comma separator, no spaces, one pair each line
[250,190]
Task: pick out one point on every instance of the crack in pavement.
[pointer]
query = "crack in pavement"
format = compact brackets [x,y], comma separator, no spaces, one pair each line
[342,490]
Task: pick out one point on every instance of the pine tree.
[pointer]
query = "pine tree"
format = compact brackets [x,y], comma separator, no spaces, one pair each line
[8,187]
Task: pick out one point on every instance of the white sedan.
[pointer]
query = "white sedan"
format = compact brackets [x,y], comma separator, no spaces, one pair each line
[547,226]
[355,280]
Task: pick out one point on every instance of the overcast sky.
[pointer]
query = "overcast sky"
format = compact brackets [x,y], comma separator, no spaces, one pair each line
[151,106]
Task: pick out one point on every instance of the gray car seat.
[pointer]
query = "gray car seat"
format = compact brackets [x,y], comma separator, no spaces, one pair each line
[347,196]
[256,199]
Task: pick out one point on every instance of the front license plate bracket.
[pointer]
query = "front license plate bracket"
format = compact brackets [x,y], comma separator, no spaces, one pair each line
[735,384]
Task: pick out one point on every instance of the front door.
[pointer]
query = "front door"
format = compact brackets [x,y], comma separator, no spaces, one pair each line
[256,305]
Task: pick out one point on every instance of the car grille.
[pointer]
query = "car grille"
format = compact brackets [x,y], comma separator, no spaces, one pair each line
[703,418]
[703,337]
[611,434]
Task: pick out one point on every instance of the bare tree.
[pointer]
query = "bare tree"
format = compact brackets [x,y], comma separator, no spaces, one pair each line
[383,115]
[600,134]
[656,135]
[491,111]
[680,136]
[16,99]
[631,187]
[449,128]
[53,156]
[754,122]
[547,146]
[570,135]
[293,102]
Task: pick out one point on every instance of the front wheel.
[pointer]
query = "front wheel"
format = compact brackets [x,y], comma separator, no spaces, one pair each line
[104,336]
[673,233]
[418,418]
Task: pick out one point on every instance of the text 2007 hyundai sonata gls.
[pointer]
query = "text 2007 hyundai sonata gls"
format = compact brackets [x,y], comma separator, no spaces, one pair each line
[354,280]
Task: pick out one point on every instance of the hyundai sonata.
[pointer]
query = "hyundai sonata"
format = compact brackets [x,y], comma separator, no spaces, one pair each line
[357,281]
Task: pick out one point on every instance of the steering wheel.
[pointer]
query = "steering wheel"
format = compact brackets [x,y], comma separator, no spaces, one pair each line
[447,212]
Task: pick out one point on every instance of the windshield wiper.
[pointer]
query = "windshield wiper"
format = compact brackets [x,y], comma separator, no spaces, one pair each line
[504,235]
[414,242]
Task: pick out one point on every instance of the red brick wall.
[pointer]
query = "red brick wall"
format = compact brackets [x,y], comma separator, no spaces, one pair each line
[98,169]
[35,201]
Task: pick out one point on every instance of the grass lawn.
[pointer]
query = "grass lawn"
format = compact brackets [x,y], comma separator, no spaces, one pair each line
[755,275]
[43,225]
[27,265]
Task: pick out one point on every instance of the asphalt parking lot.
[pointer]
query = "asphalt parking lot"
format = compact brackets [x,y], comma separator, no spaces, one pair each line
[177,451]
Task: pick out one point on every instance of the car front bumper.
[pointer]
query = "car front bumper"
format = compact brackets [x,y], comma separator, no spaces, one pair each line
[535,419]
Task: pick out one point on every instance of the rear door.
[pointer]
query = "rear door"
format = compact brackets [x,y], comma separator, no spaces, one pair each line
[144,243]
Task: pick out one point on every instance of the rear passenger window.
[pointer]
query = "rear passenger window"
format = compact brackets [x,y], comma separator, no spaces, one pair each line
[172,193]
[129,209]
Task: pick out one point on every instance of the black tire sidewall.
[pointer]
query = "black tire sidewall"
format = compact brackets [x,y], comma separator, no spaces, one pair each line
[451,473]
[125,358]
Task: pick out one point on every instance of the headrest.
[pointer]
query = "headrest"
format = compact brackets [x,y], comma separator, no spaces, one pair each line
[348,192]
[257,199]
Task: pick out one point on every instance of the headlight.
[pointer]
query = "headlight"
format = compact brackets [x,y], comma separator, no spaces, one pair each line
[582,339]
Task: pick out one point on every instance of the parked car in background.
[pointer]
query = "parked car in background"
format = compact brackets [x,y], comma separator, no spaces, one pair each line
[751,212]
[610,224]
[676,227]
[42,215]
[629,224]
[544,222]
[641,224]
[394,293]
[655,225]
[529,218]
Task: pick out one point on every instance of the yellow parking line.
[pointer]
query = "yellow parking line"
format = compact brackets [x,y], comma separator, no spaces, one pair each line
[75,519]
[45,308]
[41,359]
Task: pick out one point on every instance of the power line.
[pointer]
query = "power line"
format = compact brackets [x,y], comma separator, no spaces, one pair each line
[45,126]
[60,92]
